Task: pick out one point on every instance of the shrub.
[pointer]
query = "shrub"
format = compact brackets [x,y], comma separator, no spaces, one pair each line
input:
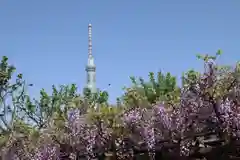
[198,120]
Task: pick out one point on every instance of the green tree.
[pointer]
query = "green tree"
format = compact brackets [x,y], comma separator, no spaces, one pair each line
[92,99]
[162,88]
[12,97]
[40,112]
[12,94]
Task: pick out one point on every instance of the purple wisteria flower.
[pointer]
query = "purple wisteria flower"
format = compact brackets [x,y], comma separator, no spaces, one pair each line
[73,114]
[132,117]
[73,121]
[48,152]
[149,137]
[163,116]
[231,117]
[91,141]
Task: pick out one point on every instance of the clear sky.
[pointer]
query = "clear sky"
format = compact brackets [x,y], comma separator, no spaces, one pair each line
[47,39]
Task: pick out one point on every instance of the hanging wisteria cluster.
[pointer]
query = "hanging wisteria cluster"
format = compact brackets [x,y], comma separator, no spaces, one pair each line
[200,113]
[47,152]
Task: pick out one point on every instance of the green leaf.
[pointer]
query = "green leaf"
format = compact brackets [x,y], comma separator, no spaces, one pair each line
[31,108]
[19,76]
[219,52]
[133,80]
[199,56]
[4,59]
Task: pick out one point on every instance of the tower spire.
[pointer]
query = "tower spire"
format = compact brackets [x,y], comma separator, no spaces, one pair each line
[89,40]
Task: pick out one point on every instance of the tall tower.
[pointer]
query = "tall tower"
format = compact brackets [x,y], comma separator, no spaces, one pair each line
[90,67]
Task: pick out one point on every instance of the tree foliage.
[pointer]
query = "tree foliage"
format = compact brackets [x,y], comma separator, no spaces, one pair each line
[41,111]
[156,118]
[12,97]
[162,88]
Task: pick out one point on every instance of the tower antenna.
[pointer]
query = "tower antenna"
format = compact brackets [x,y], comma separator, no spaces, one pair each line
[89,40]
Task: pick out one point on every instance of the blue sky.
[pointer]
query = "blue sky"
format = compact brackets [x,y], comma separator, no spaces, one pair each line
[47,40]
